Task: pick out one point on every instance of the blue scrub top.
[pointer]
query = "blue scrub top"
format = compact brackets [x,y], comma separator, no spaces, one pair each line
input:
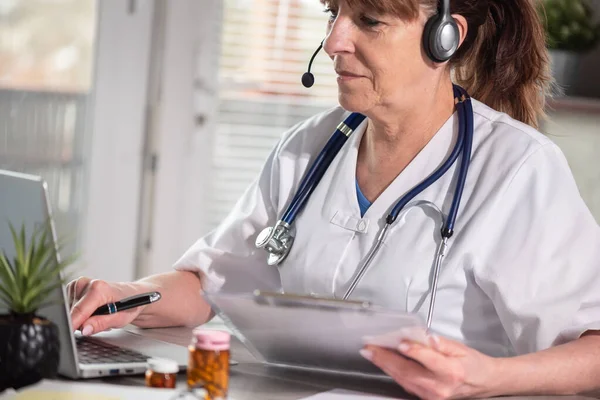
[363,203]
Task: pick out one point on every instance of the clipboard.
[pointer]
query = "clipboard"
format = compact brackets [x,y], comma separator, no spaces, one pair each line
[317,334]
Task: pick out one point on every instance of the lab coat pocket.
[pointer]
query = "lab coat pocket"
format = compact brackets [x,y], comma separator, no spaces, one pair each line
[416,238]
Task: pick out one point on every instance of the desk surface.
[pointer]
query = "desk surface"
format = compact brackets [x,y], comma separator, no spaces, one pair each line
[251,381]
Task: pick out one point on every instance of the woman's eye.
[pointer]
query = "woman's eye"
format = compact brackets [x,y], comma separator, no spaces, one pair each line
[370,22]
[332,14]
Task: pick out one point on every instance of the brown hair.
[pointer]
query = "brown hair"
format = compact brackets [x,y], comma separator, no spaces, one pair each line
[503,61]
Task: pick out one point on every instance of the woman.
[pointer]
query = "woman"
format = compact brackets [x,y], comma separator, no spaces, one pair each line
[518,305]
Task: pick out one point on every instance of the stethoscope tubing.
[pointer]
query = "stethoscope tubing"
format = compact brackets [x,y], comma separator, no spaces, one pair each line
[439,256]
[319,167]
[368,261]
[316,176]
[463,145]
[464,109]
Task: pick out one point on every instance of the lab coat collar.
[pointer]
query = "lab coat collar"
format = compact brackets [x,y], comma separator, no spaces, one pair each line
[431,157]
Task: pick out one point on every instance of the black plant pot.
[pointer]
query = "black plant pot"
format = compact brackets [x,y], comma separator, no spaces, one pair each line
[29,350]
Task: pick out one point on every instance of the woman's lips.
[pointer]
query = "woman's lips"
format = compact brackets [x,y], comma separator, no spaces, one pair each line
[347,76]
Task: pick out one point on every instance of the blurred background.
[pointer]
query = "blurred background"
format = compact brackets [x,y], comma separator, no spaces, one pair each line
[148,118]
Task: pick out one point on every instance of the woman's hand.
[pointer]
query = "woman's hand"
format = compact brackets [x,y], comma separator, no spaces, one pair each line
[443,370]
[86,295]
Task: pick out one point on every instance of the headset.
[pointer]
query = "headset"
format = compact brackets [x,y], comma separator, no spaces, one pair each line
[441,39]
[441,36]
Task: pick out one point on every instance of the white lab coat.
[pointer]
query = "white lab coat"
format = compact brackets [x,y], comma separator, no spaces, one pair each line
[522,272]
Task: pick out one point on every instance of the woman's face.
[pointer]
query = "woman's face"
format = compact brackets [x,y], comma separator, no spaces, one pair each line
[379,59]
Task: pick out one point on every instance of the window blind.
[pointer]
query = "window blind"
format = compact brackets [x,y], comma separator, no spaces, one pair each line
[265,48]
[45,89]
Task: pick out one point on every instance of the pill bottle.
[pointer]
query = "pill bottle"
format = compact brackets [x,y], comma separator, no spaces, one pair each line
[161,373]
[208,365]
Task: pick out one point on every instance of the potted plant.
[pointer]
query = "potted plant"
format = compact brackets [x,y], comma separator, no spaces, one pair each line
[571,31]
[29,344]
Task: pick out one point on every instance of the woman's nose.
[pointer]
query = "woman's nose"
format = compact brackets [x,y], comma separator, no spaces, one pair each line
[339,37]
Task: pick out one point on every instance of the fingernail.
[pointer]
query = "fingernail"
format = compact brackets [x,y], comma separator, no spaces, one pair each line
[403,347]
[368,354]
[434,341]
[87,330]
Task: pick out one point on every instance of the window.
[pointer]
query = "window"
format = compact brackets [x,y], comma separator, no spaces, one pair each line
[266,46]
[46,58]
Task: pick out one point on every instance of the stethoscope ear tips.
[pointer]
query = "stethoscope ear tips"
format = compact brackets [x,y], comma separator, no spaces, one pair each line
[308,79]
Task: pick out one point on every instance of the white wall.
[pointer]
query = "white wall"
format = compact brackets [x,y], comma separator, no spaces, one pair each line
[187,97]
[115,149]
[578,135]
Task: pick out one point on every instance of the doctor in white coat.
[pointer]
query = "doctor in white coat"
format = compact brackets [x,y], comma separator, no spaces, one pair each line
[518,298]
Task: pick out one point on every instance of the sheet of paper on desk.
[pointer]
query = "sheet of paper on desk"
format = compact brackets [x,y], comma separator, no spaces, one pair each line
[64,390]
[339,394]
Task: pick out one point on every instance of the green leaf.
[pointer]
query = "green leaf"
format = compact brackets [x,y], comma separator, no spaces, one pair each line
[43,262]
[28,268]
[5,297]
[19,242]
[35,272]
[16,242]
[50,278]
[5,290]
[7,274]
[44,250]
[35,304]
[33,294]
[570,24]
[49,265]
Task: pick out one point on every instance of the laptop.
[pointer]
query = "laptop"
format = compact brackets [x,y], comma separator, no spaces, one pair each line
[24,200]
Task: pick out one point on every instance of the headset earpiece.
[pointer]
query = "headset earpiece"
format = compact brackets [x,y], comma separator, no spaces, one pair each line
[441,36]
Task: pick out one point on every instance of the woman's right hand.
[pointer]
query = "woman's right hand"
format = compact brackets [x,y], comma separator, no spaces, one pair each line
[86,295]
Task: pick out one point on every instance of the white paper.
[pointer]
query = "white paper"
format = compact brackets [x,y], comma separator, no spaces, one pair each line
[392,340]
[339,394]
[65,390]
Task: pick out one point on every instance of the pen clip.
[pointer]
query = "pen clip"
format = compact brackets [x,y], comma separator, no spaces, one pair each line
[152,296]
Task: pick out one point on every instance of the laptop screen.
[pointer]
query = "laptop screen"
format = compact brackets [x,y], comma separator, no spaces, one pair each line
[23,202]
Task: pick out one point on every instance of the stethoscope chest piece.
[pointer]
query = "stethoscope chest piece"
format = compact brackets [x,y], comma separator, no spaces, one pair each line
[277,241]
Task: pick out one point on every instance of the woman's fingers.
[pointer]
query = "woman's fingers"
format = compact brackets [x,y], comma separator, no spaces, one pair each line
[86,295]
[393,364]
[408,373]
[92,294]
[100,323]
[434,360]
[75,290]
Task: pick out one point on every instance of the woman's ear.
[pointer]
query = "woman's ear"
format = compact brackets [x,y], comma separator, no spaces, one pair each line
[463,27]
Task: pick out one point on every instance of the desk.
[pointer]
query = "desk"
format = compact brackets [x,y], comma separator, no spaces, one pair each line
[253,381]
[250,380]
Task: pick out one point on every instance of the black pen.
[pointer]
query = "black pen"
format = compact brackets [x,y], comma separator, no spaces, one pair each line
[126,304]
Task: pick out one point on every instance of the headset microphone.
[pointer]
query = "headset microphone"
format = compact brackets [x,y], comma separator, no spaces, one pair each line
[308,79]
[441,40]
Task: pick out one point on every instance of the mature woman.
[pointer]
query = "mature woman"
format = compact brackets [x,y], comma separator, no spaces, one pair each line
[517,300]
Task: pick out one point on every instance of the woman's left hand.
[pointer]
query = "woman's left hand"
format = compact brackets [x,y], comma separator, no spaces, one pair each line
[443,370]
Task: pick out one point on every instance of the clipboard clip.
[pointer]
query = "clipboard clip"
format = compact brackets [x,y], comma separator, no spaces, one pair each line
[264,297]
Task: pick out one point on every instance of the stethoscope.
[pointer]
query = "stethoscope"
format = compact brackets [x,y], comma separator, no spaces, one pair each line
[277,240]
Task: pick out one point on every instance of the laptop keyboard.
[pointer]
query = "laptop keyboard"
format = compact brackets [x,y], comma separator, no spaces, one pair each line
[91,351]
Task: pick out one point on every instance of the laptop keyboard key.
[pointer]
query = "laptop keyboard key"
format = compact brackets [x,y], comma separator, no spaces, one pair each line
[96,352]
